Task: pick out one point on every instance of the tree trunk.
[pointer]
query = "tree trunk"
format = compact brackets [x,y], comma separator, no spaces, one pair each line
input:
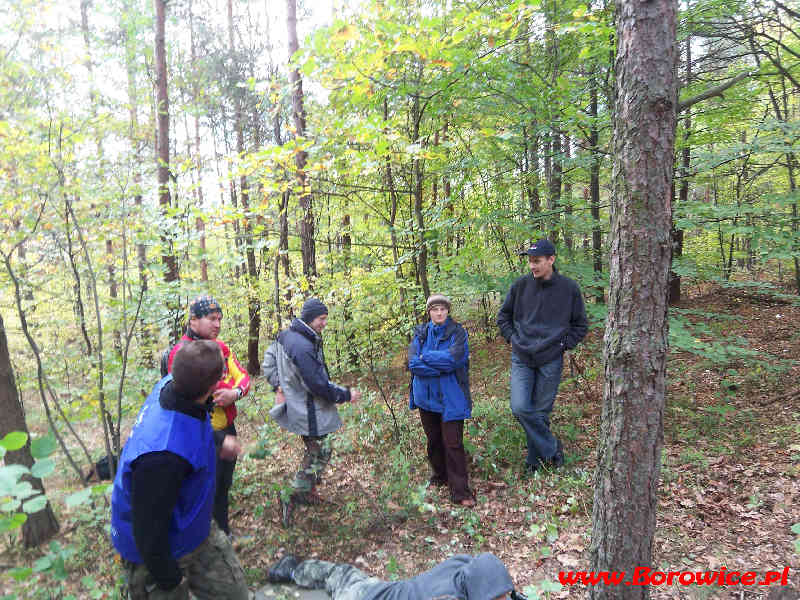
[253,301]
[307,247]
[145,355]
[534,201]
[162,116]
[676,234]
[555,185]
[567,227]
[41,525]
[422,253]
[393,211]
[636,342]
[594,191]
[199,223]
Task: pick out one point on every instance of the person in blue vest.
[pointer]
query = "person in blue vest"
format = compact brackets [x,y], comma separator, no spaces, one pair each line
[163,494]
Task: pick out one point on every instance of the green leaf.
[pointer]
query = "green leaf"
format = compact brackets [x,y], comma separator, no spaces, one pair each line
[550,586]
[531,592]
[78,498]
[796,528]
[101,489]
[20,573]
[44,446]
[43,563]
[12,522]
[14,440]
[10,505]
[34,505]
[43,468]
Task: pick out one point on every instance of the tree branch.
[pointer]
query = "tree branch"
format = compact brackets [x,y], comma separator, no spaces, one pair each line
[710,93]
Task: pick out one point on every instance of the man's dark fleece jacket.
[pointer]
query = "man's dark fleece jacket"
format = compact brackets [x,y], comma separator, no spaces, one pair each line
[156,479]
[543,318]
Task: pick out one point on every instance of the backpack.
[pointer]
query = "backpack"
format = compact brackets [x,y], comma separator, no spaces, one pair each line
[103,469]
[165,361]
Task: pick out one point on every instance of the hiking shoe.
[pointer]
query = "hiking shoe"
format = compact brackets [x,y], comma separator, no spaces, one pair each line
[557,460]
[282,571]
[287,510]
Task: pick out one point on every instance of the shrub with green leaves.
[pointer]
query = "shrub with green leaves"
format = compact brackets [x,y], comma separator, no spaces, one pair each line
[18,498]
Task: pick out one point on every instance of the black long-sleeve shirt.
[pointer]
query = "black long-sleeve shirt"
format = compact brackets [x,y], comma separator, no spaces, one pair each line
[156,479]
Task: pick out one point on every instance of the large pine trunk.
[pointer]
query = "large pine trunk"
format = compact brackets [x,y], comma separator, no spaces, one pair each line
[42,525]
[631,436]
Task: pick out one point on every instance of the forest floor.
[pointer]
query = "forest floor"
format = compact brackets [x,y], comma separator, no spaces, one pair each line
[729,493]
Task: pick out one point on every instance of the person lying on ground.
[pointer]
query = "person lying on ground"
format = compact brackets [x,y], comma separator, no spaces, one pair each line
[461,577]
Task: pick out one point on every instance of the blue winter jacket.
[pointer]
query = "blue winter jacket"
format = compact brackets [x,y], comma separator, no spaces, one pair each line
[438,358]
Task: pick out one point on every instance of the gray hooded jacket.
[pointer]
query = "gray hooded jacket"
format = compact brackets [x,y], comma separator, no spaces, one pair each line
[460,577]
[295,362]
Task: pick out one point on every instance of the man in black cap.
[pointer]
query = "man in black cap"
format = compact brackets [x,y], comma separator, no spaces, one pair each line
[306,399]
[542,317]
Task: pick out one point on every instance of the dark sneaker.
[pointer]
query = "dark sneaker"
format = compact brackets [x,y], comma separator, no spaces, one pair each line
[529,470]
[557,460]
[282,571]
[287,510]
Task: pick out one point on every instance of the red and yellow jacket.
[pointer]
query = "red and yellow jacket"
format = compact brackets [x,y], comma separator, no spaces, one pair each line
[233,376]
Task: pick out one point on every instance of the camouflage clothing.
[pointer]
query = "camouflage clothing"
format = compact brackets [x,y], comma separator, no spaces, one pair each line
[211,572]
[340,581]
[315,459]
[460,577]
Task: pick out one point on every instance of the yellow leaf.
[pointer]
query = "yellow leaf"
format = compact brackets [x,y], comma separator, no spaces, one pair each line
[346,33]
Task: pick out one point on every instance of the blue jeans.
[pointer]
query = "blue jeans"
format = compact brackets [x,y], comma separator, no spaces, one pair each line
[533,392]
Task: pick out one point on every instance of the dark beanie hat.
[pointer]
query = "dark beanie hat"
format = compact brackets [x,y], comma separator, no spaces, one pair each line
[312,308]
[202,306]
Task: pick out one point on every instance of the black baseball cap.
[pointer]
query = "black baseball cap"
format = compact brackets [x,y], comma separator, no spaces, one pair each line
[540,248]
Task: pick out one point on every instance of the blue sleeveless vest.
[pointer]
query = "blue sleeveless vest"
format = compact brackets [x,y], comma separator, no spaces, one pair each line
[156,430]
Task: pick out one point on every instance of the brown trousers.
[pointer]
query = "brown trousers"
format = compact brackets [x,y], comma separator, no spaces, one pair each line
[446,453]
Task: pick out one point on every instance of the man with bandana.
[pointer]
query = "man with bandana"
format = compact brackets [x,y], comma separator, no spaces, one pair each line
[205,321]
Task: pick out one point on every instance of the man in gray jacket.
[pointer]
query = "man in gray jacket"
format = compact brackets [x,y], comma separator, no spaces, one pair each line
[306,399]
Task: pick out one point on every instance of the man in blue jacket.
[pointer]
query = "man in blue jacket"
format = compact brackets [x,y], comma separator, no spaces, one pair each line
[438,358]
[543,316]
[163,493]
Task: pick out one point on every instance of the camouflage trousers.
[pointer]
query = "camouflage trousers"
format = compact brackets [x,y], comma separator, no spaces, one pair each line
[341,581]
[211,571]
[315,459]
